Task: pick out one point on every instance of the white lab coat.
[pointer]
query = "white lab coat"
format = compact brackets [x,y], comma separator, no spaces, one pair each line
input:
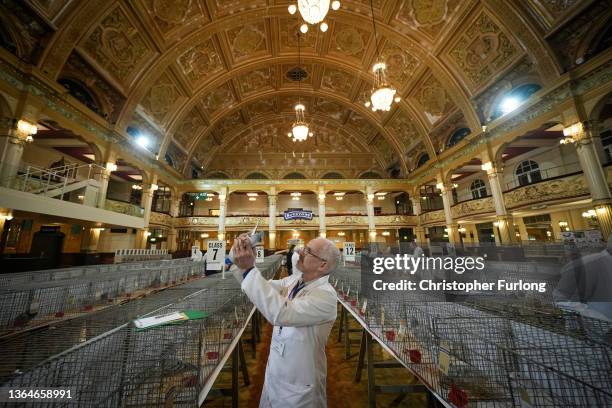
[297,366]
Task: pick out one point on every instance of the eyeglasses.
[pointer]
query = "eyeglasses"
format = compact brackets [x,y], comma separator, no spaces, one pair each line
[308,251]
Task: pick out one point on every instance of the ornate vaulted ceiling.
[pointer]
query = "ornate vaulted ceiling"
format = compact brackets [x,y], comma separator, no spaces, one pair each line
[207,79]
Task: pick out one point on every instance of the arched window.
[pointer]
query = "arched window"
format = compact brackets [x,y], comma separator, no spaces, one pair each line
[528,172]
[169,160]
[295,176]
[478,189]
[513,99]
[370,175]
[422,160]
[457,136]
[332,175]
[80,92]
[256,176]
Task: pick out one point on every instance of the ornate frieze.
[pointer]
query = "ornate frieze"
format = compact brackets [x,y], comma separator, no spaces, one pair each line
[548,190]
[473,207]
[431,217]
[160,219]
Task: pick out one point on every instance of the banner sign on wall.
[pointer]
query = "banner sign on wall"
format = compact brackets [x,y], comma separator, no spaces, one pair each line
[297,215]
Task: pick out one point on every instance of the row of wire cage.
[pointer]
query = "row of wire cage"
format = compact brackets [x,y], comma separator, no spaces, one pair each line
[26,301]
[490,351]
[165,366]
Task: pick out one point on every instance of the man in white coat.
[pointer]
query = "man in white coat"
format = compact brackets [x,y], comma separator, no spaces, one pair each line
[302,309]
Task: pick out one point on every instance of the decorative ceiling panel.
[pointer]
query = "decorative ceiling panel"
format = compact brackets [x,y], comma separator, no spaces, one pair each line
[482,50]
[117,46]
[360,124]
[229,124]
[337,80]
[248,40]
[200,62]
[172,15]
[162,98]
[331,109]
[255,81]
[385,150]
[261,107]
[218,98]
[205,148]
[401,64]
[433,99]
[403,128]
[348,40]
[191,126]
[289,29]
[427,16]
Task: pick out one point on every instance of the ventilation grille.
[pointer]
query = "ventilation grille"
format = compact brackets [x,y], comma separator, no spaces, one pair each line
[297,74]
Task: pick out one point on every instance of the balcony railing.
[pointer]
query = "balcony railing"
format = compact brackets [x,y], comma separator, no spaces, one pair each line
[539,175]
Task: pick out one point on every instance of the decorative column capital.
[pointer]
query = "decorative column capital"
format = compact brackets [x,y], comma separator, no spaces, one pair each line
[272,198]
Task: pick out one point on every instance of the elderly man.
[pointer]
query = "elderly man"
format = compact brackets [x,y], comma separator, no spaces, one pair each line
[302,308]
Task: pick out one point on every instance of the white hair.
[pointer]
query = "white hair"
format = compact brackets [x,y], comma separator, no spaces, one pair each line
[331,254]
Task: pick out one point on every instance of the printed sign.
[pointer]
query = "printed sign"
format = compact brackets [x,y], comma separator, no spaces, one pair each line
[349,251]
[297,215]
[194,250]
[260,254]
[215,256]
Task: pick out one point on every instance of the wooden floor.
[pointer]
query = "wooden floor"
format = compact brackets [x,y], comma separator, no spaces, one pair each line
[342,391]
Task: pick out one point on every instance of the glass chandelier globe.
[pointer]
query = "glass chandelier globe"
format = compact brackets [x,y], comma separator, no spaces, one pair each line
[300,130]
[383,95]
[313,11]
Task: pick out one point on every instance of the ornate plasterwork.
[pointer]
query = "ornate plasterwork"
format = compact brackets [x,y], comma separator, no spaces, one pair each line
[289,27]
[360,124]
[414,154]
[395,220]
[117,46]
[261,107]
[403,128]
[549,190]
[218,98]
[482,50]
[556,7]
[229,123]
[433,99]
[255,81]
[247,40]
[25,34]
[197,221]
[385,150]
[191,126]
[440,134]
[160,99]
[177,155]
[337,80]
[205,148]
[200,62]
[473,207]
[349,40]
[245,220]
[329,108]
[427,16]
[160,219]
[432,217]
[170,15]
[401,64]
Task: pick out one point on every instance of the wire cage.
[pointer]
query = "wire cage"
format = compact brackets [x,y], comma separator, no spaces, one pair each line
[108,362]
[497,351]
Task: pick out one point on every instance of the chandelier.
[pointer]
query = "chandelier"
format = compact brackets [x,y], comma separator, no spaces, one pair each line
[299,130]
[313,12]
[383,94]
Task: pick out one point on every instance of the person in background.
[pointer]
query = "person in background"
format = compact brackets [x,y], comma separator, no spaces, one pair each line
[302,308]
[289,263]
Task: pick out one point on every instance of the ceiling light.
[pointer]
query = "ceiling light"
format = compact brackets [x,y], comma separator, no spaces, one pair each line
[27,128]
[204,235]
[341,234]
[296,194]
[386,233]
[313,12]
[251,194]
[335,5]
[292,9]
[295,198]
[381,193]
[252,198]
[304,28]
[299,129]
[208,199]
[8,217]
[339,198]
[382,198]
[324,26]
[142,141]
[339,194]
[111,166]
[508,104]
[383,94]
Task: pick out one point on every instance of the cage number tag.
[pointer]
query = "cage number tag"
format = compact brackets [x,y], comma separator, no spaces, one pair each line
[260,255]
[402,328]
[444,358]
[364,306]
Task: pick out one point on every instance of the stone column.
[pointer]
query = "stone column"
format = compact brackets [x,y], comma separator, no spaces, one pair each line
[141,238]
[104,178]
[222,208]
[272,218]
[12,142]
[504,221]
[147,199]
[447,201]
[370,211]
[419,230]
[172,233]
[584,134]
[321,197]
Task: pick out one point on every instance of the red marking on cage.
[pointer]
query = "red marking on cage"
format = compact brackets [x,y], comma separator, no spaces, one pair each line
[87,308]
[59,314]
[361,313]
[227,336]
[354,303]
[415,356]
[458,396]
[390,335]
[190,381]
[212,355]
